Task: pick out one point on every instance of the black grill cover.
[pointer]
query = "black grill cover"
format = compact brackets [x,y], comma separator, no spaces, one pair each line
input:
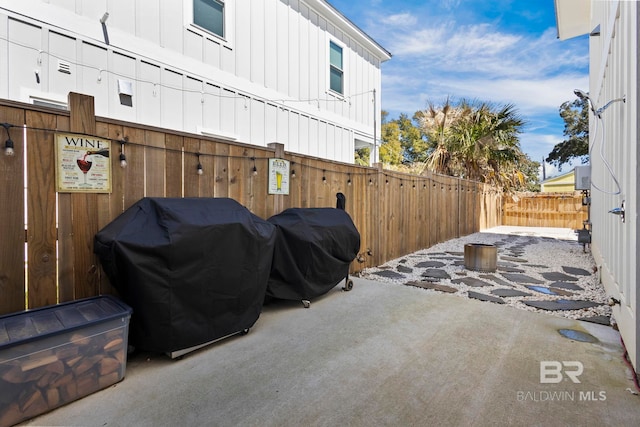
[193,269]
[313,251]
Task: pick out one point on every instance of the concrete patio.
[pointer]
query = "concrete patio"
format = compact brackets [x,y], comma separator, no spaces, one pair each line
[382,354]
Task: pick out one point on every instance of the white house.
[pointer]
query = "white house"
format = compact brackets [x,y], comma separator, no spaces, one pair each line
[613,132]
[296,72]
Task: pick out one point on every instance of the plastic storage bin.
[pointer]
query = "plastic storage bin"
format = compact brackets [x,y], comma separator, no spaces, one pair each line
[54,355]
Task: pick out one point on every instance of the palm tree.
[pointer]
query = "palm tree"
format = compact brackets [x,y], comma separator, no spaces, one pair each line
[435,123]
[476,140]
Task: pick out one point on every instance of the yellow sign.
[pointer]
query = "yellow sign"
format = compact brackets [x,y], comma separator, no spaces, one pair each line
[83,164]
[278,176]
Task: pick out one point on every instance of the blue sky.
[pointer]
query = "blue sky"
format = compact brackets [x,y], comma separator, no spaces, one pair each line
[500,51]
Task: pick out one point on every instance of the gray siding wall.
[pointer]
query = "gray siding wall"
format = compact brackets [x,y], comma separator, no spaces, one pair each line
[614,73]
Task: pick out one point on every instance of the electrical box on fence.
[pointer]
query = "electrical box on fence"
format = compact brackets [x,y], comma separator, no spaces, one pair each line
[582,175]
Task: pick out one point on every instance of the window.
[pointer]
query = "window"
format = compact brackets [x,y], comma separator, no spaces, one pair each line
[209,14]
[336,73]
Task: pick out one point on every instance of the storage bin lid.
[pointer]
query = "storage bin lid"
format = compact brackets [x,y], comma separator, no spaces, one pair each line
[38,323]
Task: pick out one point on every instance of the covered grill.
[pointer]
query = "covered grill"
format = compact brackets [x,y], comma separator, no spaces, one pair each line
[193,269]
[313,251]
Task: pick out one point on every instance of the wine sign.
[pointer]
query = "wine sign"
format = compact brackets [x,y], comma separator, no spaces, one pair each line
[82,164]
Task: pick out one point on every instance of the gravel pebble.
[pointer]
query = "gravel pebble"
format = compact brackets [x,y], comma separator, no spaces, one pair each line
[540,253]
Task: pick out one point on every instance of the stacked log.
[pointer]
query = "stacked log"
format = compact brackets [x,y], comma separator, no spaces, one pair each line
[48,376]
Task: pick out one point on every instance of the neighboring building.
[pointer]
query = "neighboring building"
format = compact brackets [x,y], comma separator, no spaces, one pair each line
[290,71]
[614,73]
[564,183]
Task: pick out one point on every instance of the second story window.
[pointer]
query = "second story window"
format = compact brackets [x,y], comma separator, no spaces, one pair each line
[209,15]
[336,72]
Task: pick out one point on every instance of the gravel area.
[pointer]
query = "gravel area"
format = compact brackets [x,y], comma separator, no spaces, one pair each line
[559,268]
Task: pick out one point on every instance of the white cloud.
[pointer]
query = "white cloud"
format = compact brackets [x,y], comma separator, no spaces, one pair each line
[435,57]
[531,96]
[400,19]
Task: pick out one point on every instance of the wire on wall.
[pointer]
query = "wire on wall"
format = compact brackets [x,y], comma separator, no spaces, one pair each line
[237,93]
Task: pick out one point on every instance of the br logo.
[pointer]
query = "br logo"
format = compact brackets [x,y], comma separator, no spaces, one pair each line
[552,371]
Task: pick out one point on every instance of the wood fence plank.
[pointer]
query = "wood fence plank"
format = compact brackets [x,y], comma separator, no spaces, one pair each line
[237,172]
[293,199]
[41,212]
[221,170]
[134,173]
[207,181]
[66,257]
[259,185]
[305,175]
[155,164]
[191,178]
[248,179]
[116,199]
[174,174]
[12,215]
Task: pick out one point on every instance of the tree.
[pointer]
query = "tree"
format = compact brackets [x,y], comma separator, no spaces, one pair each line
[435,123]
[414,147]
[391,149]
[402,141]
[362,156]
[576,127]
[478,141]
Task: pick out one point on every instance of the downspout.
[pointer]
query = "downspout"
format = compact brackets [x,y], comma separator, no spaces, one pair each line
[375,127]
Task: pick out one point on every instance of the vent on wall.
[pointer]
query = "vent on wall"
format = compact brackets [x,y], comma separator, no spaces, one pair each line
[64,67]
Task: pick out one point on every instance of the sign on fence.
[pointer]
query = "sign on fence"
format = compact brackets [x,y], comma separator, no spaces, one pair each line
[278,176]
[82,164]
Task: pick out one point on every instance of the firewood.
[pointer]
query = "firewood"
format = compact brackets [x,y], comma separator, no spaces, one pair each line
[53,397]
[47,379]
[71,362]
[33,397]
[114,333]
[56,367]
[69,392]
[108,365]
[13,375]
[11,416]
[121,355]
[85,364]
[113,345]
[109,379]
[80,339]
[32,364]
[68,352]
[38,379]
[62,381]
[36,408]
[88,383]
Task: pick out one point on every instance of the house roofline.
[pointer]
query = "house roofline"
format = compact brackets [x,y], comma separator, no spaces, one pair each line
[355,31]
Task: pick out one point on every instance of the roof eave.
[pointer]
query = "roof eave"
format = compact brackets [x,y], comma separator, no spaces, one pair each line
[573,18]
[354,31]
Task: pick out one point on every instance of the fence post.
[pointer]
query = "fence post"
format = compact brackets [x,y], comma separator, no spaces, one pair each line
[84,207]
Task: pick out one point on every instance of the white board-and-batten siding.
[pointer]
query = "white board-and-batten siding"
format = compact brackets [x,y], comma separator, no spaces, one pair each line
[266,81]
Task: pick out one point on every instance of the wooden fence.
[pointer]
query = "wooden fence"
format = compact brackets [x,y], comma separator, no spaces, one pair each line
[46,237]
[544,210]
